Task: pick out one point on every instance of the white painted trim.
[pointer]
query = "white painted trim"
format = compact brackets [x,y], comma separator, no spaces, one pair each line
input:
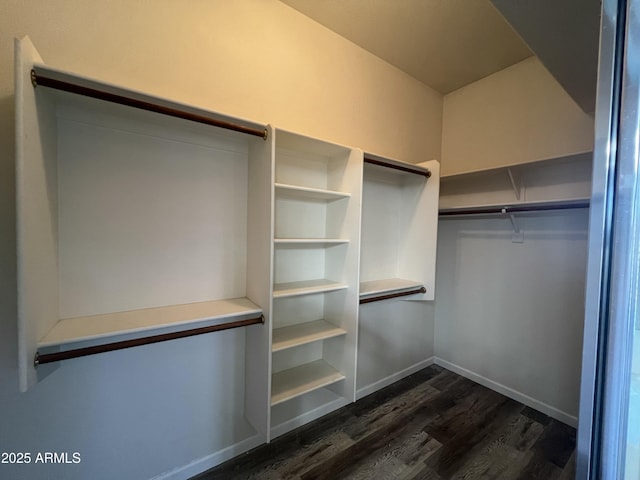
[205,463]
[510,392]
[198,466]
[374,387]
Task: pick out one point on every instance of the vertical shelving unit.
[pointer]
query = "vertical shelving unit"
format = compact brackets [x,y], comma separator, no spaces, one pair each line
[317,190]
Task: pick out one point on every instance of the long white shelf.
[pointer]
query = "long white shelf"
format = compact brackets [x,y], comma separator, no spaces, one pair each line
[387,286]
[541,163]
[295,335]
[307,193]
[310,241]
[148,321]
[292,289]
[297,381]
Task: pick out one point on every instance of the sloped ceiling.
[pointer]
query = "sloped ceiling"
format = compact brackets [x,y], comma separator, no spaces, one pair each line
[447,44]
[564,35]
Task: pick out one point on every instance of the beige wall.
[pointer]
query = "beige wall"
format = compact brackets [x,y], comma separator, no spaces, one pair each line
[517,115]
[255,59]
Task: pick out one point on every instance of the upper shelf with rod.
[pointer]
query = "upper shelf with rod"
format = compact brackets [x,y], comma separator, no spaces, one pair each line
[45,76]
[553,184]
[542,186]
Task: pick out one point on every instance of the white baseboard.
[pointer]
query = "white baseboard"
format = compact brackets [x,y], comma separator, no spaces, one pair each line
[510,392]
[205,463]
[374,387]
[198,466]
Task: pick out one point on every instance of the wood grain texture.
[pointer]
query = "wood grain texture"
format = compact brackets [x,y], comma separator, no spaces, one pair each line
[433,425]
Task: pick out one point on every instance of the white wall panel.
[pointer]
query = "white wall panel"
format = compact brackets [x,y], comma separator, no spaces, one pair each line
[517,115]
[513,312]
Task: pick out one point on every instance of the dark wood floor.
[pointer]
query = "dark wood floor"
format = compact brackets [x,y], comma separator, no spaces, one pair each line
[433,425]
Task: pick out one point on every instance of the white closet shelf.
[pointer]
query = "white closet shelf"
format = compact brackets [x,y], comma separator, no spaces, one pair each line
[147,322]
[299,380]
[549,184]
[308,193]
[388,286]
[292,289]
[294,335]
[540,163]
[310,241]
[516,206]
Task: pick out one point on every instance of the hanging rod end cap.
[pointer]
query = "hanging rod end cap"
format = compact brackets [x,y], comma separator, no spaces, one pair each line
[34,78]
[36,360]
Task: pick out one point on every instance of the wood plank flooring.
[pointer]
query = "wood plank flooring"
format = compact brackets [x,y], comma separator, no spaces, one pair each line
[433,425]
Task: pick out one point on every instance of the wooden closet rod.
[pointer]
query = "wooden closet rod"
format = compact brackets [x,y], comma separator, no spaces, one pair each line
[513,209]
[39,79]
[393,295]
[110,347]
[418,171]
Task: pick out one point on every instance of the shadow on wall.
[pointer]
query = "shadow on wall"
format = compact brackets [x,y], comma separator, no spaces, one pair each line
[8,302]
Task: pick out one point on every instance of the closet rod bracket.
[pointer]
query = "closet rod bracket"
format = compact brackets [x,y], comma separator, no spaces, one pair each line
[518,234]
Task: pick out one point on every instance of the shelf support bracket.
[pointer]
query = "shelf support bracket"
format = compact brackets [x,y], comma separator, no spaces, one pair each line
[516,184]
